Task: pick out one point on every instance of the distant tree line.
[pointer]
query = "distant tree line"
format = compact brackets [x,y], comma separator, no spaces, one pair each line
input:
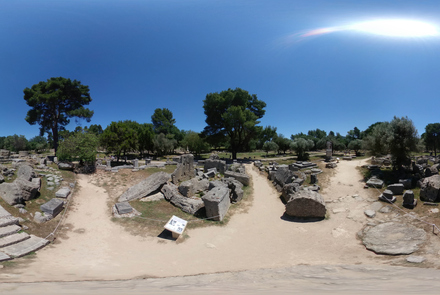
[232,123]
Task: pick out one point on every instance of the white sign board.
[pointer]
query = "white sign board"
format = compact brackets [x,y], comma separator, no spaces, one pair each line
[176,225]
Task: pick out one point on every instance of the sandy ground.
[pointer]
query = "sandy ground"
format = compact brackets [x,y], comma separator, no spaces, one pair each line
[98,249]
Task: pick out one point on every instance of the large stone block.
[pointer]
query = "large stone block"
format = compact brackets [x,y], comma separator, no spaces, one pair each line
[236,188]
[430,188]
[188,205]
[190,187]
[123,208]
[375,182]
[63,192]
[218,164]
[406,183]
[396,188]
[26,172]
[184,170]
[243,178]
[11,193]
[217,203]
[147,186]
[53,207]
[306,204]
[283,175]
[28,189]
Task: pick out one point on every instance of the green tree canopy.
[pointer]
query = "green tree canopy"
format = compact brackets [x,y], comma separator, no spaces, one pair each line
[233,113]
[145,134]
[301,146]
[270,146]
[163,121]
[119,137]
[163,145]
[267,133]
[81,146]
[282,142]
[194,143]
[398,137]
[16,143]
[38,143]
[95,129]
[54,102]
[432,136]
[355,145]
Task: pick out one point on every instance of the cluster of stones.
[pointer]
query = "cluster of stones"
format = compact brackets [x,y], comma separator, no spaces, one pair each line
[192,189]
[25,187]
[301,201]
[426,176]
[52,180]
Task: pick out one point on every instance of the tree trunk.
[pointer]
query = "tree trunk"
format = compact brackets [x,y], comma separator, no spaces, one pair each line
[234,155]
[55,138]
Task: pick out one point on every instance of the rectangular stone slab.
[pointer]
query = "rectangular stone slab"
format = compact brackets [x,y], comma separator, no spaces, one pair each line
[9,220]
[62,192]
[3,212]
[53,207]
[25,247]
[9,230]
[123,208]
[13,239]
[4,257]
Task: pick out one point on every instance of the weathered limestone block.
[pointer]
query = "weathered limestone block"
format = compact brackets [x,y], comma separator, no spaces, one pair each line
[63,192]
[188,205]
[53,207]
[190,187]
[408,199]
[283,175]
[243,178]
[29,189]
[184,170]
[375,182]
[289,189]
[216,183]
[37,181]
[396,188]
[66,166]
[11,193]
[331,165]
[217,203]
[26,172]
[430,188]
[429,171]
[393,238]
[236,188]
[406,183]
[147,186]
[123,208]
[307,204]
[218,164]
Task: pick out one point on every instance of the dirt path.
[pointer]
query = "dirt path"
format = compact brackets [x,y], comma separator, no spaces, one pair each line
[99,249]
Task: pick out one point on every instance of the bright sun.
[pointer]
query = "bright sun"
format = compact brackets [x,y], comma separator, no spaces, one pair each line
[396,27]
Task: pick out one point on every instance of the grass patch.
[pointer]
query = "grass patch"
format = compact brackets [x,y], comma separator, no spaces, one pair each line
[155,214]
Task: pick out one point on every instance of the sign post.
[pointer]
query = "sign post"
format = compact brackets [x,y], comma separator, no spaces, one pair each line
[176,226]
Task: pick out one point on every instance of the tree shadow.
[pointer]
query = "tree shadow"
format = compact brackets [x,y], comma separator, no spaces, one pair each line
[286,217]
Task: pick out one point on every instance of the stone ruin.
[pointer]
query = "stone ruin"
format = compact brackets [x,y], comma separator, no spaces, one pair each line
[184,170]
[301,201]
[195,190]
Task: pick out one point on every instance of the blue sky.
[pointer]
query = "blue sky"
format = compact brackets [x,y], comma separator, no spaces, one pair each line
[137,56]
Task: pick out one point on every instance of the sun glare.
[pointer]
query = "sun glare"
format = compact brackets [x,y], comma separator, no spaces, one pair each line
[396,28]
